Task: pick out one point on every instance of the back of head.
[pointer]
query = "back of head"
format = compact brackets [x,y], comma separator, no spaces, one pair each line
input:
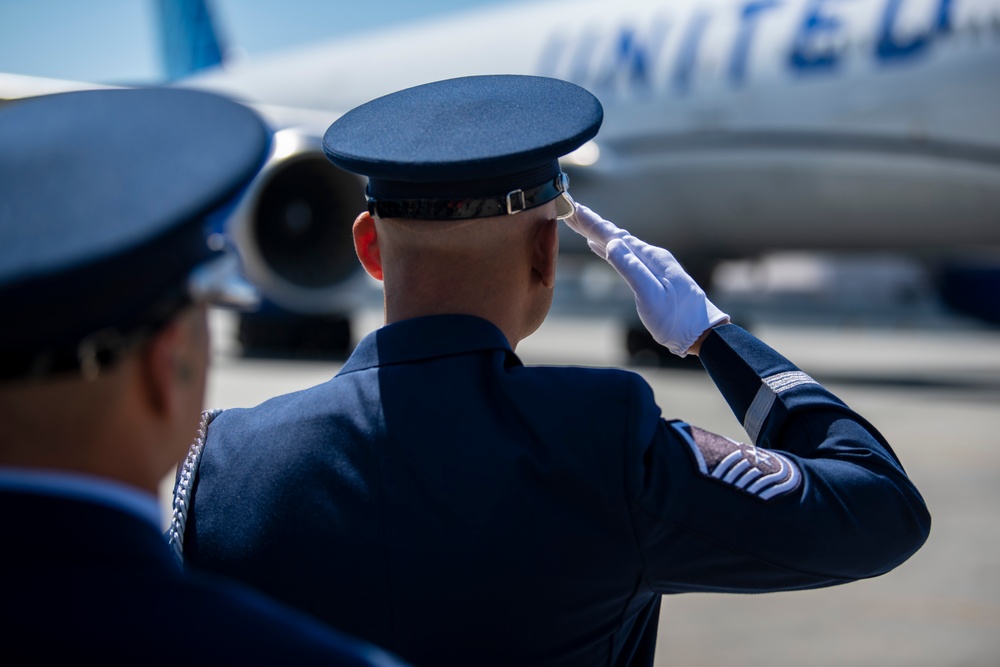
[453,248]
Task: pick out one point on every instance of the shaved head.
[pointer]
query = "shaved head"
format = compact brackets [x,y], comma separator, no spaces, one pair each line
[501,268]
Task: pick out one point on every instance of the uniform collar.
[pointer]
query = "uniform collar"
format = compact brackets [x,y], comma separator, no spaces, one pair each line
[85,488]
[423,338]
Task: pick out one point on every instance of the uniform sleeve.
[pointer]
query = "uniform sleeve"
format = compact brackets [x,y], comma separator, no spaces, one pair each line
[816,498]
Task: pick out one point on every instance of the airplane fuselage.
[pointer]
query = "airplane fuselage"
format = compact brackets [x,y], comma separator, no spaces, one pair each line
[732,126]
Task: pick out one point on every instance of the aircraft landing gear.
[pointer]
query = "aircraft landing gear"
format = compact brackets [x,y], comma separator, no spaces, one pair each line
[643,350]
[286,335]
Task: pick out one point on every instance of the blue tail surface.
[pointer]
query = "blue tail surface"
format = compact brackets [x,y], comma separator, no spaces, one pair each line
[188,36]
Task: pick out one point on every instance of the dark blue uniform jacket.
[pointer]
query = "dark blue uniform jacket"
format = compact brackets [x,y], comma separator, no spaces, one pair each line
[85,583]
[442,500]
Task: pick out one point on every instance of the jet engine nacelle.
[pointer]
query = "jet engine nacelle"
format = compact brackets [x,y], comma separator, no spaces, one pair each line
[293,227]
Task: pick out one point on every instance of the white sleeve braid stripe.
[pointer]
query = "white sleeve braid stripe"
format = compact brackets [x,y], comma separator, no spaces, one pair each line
[785,381]
[758,411]
[762,403]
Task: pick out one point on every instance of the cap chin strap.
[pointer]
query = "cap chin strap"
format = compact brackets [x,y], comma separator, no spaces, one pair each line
[513,202]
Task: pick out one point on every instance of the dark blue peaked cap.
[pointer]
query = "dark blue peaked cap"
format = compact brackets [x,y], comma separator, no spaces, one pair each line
[464,148]
[105,198]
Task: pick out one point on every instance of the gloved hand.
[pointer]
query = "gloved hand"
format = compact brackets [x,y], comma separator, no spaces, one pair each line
[671,305]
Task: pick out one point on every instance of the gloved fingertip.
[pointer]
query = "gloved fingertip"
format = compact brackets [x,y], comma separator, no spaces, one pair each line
[598,249]
[612,248]
[580,220]
[585,216]
[619,255]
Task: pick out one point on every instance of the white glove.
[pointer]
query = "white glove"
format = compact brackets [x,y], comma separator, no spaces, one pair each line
[671,305]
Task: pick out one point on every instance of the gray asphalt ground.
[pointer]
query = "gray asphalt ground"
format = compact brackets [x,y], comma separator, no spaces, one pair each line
[934,391]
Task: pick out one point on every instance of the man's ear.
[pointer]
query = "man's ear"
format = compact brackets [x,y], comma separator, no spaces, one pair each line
[162,368]
[544,251]
[366,245]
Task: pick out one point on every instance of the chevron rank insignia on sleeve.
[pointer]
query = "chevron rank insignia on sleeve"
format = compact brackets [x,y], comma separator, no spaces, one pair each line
[759,472]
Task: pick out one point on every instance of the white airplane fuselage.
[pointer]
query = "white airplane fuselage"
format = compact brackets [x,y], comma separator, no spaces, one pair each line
[731,126]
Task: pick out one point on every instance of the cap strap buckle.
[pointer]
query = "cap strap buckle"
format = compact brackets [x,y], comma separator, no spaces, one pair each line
[519,193]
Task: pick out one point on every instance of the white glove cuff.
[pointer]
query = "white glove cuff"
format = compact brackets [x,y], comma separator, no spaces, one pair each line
[693,329]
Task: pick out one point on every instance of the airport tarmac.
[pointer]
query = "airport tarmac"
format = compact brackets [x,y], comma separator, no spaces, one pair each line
[935,394]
